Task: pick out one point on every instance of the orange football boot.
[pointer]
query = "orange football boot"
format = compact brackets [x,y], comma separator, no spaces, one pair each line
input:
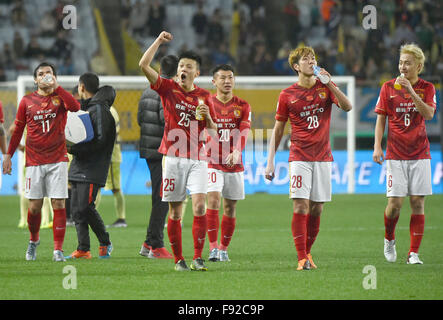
[79,254]
[303,264]
[311,262]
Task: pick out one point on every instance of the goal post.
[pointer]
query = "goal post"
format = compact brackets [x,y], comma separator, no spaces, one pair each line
[260,91]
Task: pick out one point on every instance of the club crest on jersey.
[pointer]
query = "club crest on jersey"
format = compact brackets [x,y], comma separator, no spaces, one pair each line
[237,112]
[322,94]
[56,101]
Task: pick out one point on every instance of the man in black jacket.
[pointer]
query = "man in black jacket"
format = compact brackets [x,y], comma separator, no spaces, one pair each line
[89,168]
[151,121]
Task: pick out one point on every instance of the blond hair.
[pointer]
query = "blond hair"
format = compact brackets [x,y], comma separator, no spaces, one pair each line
[296,54]
[416,52]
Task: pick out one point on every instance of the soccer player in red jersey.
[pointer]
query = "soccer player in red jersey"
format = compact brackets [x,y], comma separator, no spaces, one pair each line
[184,161]
[44,114]
[308,105]
[225,173]
[408,164]
[2,137]
[2,132]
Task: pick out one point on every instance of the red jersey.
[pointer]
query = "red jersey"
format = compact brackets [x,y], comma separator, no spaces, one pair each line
[407,138]
[184,136]
[2,118]
[309,111]
[45,118]
[232,118]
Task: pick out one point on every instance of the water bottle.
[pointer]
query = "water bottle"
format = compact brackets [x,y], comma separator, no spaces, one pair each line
[198,115]
[397,85]
[47,78]
[322,77]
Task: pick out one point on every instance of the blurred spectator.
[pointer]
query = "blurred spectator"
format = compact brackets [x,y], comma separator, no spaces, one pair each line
[200,24]
[34,49]
[2,74]
[291,15]
[425,33]
[66,67]
[125,13]
[215,33]
[222,55]
[98,64]
[281,65]
[340,66]
[261,60]
[18,45]
[58,14]
[326,8]
[138,18]
[48,25]
[156,19]
[61,48]
[18,13]
[7,59]
[403,34]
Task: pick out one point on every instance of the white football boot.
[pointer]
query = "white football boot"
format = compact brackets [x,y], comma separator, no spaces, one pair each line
[413,259]
[389,250]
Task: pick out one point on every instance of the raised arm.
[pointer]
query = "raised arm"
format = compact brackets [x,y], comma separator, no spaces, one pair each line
[343,101]
[145,61]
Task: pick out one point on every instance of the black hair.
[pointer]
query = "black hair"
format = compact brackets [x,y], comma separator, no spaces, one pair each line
[74,90]
[90,81]
[168,65]
[224,67]
[191,55]
[45,64]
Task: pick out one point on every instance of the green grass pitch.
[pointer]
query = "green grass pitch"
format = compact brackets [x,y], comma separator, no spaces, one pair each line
[262,253]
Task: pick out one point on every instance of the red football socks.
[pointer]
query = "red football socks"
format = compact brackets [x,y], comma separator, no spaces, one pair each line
[313,227]
[59,228]
[298,227]
[213,225]
[199,228]
[175,238]
[390,224]
[416,230]
[34,221]
[227,230]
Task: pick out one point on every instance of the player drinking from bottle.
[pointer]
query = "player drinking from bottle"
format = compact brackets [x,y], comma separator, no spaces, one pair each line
[44,114]
[308,105]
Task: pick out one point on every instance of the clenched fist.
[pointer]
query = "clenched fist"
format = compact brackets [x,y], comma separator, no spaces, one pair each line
[164,37]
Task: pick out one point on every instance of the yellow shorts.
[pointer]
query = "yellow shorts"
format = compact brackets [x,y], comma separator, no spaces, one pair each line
[113,180]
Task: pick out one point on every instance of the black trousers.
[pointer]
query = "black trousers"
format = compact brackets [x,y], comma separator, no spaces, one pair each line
[84,215]
[154,234]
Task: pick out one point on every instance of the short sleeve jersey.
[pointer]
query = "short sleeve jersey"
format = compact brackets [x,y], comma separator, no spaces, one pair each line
[309,112]
[184,136]
[407,138]
[232,117]
[45,118]
[2,118]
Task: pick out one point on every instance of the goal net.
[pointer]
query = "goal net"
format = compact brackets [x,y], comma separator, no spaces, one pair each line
[260,91]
